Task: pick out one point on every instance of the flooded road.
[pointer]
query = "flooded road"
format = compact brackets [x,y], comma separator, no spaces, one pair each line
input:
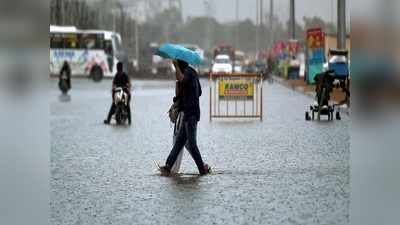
[282,170]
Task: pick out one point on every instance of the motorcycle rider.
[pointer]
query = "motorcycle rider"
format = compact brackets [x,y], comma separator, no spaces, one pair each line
[121,79]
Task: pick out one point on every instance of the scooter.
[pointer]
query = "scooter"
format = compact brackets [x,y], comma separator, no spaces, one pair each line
[121,105]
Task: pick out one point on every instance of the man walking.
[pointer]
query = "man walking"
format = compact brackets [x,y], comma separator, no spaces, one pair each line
[191,91]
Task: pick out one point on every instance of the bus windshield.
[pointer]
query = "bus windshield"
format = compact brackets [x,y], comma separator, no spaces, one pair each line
[118,45]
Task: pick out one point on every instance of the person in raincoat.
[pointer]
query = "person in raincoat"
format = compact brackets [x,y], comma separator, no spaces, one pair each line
[65,71]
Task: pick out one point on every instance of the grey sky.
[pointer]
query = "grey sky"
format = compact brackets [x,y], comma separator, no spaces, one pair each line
[224,10]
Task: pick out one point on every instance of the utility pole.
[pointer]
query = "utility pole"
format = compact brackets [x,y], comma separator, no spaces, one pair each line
[262,23]
[341,24]
[257,26]
[261,12]
[292,21]
[62,12]
[237,25]
[271,23]
[332,6]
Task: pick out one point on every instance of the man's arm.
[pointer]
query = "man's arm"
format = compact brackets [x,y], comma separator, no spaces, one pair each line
[178,72]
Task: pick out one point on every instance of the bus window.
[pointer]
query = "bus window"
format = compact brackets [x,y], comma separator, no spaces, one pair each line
[91,41]
[70,41]
[87,41]
[56,41]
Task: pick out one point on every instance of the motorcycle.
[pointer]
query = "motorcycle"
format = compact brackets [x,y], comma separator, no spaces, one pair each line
[121,105]
[63,83]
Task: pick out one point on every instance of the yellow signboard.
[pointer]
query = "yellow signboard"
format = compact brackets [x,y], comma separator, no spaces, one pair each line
[236,88]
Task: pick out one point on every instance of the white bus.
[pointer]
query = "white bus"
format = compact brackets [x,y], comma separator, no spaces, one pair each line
[91,53]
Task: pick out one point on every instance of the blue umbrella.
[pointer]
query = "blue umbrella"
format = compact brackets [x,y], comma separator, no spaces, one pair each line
[173,51]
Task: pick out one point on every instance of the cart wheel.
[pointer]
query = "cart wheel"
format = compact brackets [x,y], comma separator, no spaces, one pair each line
[338,117]
[307,116]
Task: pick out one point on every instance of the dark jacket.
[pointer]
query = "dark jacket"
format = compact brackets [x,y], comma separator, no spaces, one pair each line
[121,80]
[65,69]
[189,94]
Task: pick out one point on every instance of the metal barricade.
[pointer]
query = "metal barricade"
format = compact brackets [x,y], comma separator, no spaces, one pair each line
[236,95]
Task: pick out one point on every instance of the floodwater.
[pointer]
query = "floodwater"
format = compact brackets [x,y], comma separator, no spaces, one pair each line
[283,170]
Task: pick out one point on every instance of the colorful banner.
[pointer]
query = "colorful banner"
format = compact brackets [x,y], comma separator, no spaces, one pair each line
[279,49]
[315,53]
[315,38]
[236,88]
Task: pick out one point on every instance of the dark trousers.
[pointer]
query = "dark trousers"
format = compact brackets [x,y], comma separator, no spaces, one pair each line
[187,135]
[112,109]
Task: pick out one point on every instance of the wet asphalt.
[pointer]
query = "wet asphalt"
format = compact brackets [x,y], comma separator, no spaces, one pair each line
[282,170]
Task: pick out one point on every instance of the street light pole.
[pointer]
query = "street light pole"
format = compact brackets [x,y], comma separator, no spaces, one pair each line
[262,24]
[257,26]
[292,21]
[261,12]
[237,25]
[341,24]
[271,23]
[62,12]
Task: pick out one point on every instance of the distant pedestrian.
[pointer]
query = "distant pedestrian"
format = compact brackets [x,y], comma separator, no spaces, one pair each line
[65,71]
[190,107]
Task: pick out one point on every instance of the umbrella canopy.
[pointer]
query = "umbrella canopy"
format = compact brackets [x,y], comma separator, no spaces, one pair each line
[174,51]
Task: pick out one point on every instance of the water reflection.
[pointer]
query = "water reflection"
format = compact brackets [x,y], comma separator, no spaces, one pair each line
[64,98]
